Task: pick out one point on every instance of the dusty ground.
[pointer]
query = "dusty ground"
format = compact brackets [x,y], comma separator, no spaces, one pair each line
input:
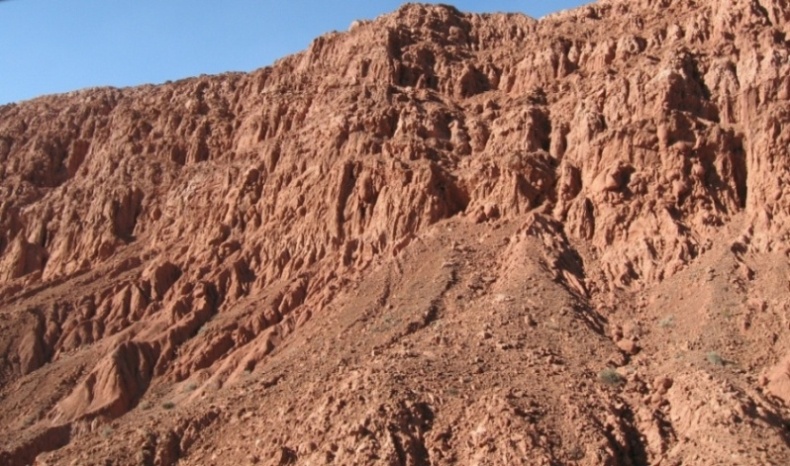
[434,239]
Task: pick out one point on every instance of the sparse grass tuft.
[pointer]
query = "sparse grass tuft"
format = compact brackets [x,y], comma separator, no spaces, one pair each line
[667,322]
[611,377]
[191,387]
[168,405]
[715,359]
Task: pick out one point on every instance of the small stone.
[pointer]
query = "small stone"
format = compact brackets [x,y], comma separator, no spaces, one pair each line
[529,320]
[628,346]
[661,384]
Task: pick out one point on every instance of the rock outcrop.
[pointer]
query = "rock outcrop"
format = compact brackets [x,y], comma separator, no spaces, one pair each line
[436,238]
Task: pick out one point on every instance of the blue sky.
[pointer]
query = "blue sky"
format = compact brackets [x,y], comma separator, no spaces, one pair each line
[51,46]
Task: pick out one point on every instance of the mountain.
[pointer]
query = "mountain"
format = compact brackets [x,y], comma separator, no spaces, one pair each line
[437,238]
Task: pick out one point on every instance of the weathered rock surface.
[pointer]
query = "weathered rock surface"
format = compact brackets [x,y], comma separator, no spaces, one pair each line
[437,238]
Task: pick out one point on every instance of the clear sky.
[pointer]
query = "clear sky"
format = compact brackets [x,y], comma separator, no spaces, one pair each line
[49,46]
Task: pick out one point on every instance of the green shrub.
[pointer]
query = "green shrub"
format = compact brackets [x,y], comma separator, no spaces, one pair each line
[611,377]
[667,322]
[715,359]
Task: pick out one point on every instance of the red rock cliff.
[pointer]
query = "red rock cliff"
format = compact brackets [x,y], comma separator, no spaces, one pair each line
[420,241]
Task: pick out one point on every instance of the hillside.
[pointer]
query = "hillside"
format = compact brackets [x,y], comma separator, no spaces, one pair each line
[436,238]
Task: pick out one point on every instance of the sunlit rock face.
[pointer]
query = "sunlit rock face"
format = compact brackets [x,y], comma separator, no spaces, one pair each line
[436,238]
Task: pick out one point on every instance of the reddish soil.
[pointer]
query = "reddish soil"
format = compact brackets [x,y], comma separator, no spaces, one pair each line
[435,239]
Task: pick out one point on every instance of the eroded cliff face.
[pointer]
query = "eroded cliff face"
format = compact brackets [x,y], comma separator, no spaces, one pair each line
[420,241]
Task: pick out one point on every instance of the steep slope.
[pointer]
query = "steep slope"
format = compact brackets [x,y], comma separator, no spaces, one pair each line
[437,238]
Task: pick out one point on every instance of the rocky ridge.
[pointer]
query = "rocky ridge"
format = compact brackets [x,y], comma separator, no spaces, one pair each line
[436,238]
